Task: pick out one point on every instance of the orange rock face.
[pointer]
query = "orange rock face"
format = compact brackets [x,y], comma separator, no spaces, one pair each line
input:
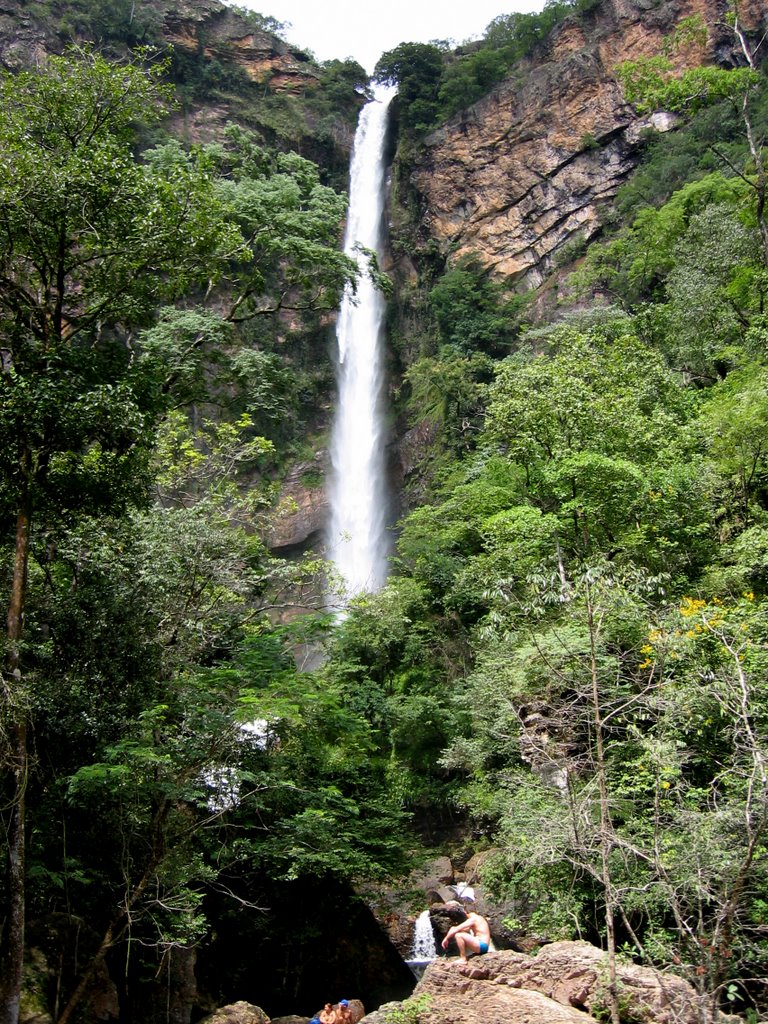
[219,31]
[528,168]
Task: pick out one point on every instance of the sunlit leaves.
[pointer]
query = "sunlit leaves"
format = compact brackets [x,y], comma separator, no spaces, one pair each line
[650,84]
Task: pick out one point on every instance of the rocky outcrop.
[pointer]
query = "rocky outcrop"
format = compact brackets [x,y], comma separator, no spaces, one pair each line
[565,983]
[218,31]
[529,168]
[303,507]
[237,1013]
[498,1005]
[208,27]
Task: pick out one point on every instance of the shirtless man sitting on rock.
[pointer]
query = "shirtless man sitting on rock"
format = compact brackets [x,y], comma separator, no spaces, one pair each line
[473,935]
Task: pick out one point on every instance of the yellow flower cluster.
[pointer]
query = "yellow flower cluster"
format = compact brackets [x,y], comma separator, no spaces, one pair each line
[692,606]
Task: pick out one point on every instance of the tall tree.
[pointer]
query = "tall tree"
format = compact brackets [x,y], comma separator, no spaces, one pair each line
[91,238]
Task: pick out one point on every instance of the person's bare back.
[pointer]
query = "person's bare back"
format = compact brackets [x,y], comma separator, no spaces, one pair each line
[473,935]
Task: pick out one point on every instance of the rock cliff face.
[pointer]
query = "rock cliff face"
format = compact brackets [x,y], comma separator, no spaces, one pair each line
[216,30]
[209,27]
[206,27]
[529,167]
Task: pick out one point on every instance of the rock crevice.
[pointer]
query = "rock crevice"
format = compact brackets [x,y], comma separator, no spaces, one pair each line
[533,164]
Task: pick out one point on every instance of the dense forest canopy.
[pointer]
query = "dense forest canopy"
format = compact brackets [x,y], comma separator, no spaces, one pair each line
[568,663]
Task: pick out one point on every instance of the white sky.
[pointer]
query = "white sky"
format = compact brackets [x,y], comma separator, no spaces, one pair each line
[364,30]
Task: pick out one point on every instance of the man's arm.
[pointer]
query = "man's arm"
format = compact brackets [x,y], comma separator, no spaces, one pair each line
[465,926]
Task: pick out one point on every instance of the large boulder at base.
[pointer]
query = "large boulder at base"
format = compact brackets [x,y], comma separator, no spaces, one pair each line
[566,981]
[490,1004]
[576,973]
[237,1013]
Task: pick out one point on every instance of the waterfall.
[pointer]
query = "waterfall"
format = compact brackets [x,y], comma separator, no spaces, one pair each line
[357,537]
[424,947]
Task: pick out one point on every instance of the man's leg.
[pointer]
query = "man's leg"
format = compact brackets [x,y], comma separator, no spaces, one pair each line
[467,944]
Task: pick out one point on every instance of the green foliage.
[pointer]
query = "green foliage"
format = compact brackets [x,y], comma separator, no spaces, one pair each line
[470,311]
[118,22]
[410,1011]
[571,650]
[734,420]
[433,85]
[585,425]
[694,149]
[291,222]
[146,645]
[84,221]
[698,259]
[416,70]
[650,85]
[447,391]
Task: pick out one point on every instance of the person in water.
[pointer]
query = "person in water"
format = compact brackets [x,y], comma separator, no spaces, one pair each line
[328,1015]
[473,935]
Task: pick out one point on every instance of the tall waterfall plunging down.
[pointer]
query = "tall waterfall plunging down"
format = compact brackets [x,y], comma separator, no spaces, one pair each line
[357,541]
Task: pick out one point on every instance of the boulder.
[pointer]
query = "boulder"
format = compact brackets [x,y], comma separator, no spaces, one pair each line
[575,972]
[564,982]
[474,866]
[385,1013]
[238,1013]
[438,872]
[477,1005]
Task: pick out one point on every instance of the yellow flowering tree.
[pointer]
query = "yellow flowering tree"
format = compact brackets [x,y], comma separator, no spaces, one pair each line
[707,759]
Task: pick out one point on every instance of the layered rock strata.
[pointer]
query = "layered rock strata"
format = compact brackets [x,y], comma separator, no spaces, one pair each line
[530,167]
[208,27]
[216,30]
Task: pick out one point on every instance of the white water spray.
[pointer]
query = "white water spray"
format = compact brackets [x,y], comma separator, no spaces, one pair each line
[424,947]
[357,541]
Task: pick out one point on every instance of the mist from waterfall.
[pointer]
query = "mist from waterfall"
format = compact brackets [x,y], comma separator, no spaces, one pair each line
[357,536]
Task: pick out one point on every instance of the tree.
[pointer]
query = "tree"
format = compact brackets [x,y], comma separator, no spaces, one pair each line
[469,309]
[591,427]
[94,241]
[643,723]
[650,84]
[91,239]
[734,419]
[416,69]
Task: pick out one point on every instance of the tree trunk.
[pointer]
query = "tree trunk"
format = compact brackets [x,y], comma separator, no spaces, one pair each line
[606,825]
[118,922]
[12,951]
[755,148]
